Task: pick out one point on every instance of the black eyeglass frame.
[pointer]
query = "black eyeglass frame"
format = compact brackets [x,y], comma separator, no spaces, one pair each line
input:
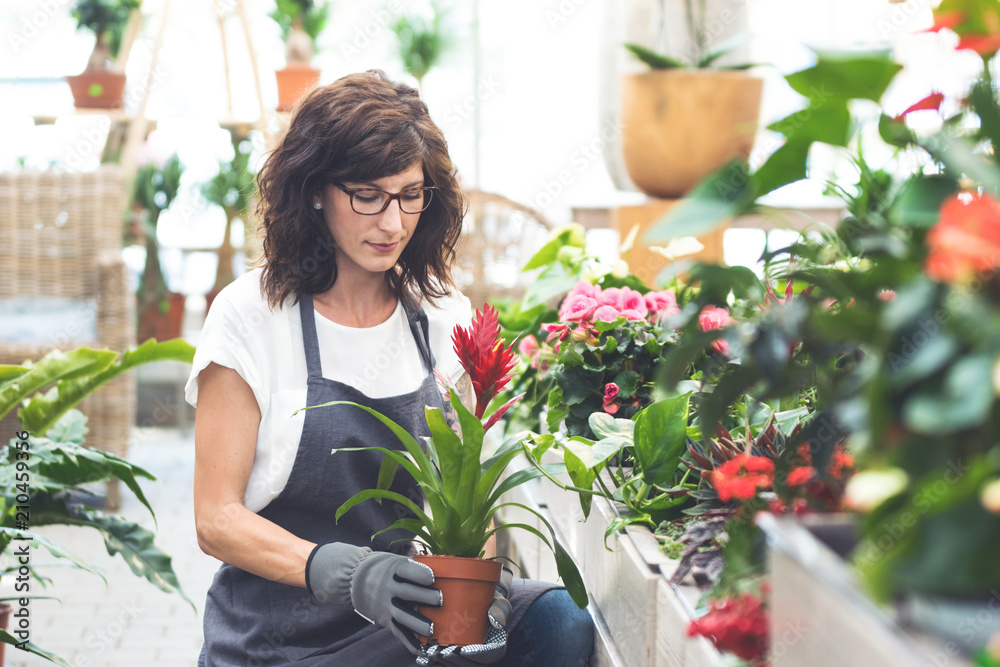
[398,197]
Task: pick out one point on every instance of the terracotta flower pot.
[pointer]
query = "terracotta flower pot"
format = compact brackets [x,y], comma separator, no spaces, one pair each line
[162,321]
[98,89]
[293,82]
[680,125]
[468,586]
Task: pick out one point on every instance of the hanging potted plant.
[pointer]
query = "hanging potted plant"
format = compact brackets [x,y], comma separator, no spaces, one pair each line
[160,311]
[231,189]
[685,118]
[100,86]
[422,42]
[301,22]
[462,492]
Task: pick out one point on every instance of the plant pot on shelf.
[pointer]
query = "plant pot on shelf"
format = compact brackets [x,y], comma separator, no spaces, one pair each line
[467,586]
[161,320]
[98,89]
[293,82]
[680,125]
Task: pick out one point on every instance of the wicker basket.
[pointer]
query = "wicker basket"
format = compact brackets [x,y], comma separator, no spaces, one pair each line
[498,238]
[60,236]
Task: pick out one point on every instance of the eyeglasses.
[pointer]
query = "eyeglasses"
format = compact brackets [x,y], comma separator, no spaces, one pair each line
[372,201]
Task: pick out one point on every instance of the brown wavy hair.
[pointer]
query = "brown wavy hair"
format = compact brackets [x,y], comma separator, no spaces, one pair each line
[361,127]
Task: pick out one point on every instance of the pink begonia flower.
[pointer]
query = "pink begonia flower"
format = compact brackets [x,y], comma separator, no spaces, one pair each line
[663,302]
[610,394]
[555,331]
[577,308]
[606,314]
[633,301]
[634,315]
[528,346]
[611,297]
[712,318]
[585,288]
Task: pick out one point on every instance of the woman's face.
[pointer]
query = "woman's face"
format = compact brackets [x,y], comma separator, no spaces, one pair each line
[370,243]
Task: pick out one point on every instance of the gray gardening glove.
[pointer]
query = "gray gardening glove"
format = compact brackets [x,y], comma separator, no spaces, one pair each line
[384,588]
[490,651]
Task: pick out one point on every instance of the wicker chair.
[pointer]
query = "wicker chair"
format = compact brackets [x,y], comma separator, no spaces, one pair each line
[498,238]
[60,237]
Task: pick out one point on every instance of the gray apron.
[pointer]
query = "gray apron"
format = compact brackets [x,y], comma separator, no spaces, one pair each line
[254,622]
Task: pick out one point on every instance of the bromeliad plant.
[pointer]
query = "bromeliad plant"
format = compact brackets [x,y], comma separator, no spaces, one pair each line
[463,492]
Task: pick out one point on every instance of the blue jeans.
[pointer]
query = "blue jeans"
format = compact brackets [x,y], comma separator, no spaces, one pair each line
[553,632]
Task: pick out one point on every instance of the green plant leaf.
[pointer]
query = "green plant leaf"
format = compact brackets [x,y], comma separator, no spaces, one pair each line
[714,200]
[383,494]
[7,638]
[54,366]
[895,132]
[43,411]
[36,540]
[660,439]
[11,373]
[846,75]
[828,122]
[919,201]
[963,402]
[657,60]
[606,426]
[450,450]
[71,427]
[785,165]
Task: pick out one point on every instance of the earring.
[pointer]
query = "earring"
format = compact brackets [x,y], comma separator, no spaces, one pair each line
[317,206]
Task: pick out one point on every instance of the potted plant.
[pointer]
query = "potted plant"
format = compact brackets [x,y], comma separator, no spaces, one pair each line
[422,42]
[100,86]
[463,492]
[685,118]
[232,189]
[301,22]
[46,467]
[160,311]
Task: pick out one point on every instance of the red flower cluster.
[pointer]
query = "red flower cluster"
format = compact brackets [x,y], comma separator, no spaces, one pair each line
[481,352]
[737,625]
[966,239]
[742,477]
[976,22]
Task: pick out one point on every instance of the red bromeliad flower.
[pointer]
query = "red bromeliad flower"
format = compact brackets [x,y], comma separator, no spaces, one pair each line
[484,357]
[738,625]
[742,477]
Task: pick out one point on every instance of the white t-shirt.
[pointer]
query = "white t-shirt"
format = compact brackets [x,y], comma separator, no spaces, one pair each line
[265,347]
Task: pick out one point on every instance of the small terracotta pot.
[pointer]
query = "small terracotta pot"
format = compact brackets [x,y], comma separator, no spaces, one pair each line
[98,89]
[467,586]
[293,82]
[155,323]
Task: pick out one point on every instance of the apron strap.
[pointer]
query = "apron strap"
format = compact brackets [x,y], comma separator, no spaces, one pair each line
[309,339]
[417,320]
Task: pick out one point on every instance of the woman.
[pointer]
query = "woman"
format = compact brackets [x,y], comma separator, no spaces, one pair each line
[361,211]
